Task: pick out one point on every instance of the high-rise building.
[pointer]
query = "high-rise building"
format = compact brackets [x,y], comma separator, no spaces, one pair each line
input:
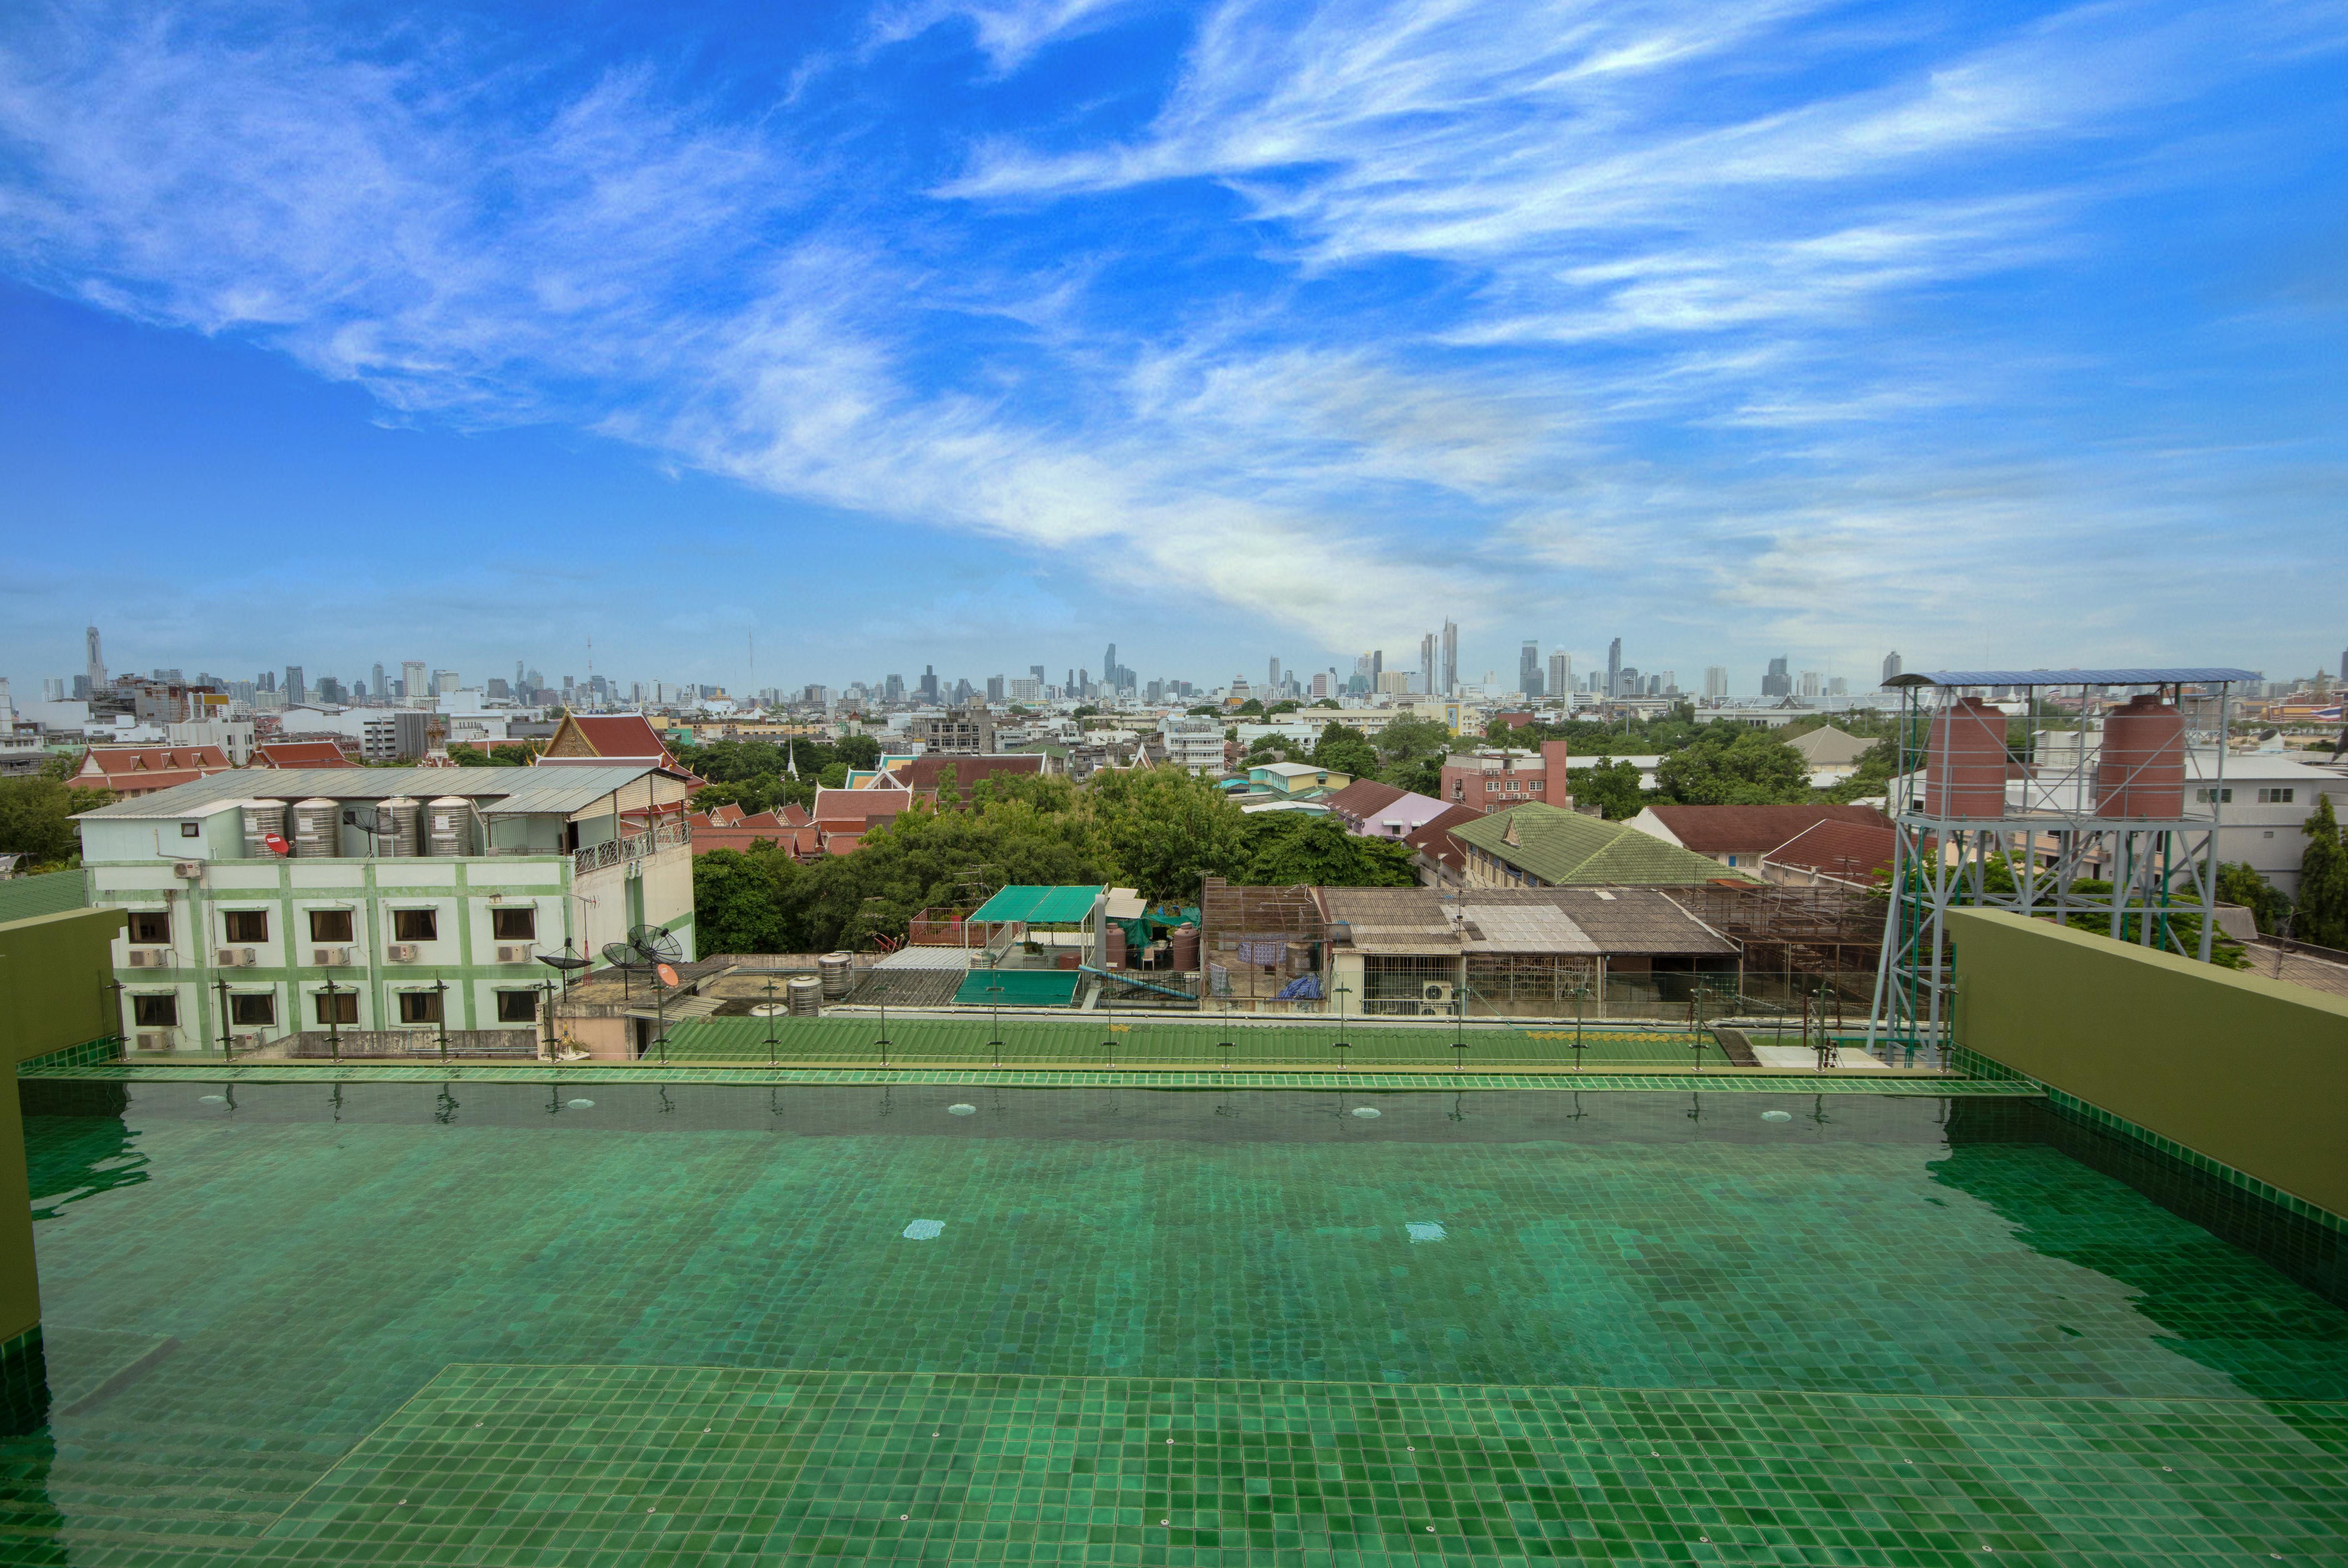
[1810,683]
[94,662]
[412,686]
[1272,686]
[1529,668]
[1450,657]
[1891,665]
[1777,682]
[928,683]
[1427,664]
[1715,680]
[994,685]
[1614,668]
[1560,674]
[329,689]
[444,682]
[892,689]
[1837,685]
[294,689]
[1320,680]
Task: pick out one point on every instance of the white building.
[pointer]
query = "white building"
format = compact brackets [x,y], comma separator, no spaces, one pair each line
[1196,744]
[500,865]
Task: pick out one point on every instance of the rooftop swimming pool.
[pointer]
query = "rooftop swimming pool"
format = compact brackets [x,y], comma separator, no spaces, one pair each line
[409,1323]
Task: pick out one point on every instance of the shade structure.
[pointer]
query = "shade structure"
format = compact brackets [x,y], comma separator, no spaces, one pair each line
[1040,905]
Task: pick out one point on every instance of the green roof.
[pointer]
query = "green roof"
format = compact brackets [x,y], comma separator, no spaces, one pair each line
[1566,849]
[1040,905]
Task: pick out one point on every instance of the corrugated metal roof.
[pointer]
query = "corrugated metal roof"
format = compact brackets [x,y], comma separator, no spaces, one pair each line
[2193,676]
[502,791]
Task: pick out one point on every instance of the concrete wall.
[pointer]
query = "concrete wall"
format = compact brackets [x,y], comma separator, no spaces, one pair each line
[53,971]
[2249,1072]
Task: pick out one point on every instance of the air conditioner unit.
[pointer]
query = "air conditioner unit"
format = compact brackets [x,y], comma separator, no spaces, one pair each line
[518,953]
[330,957]
[150,958]
[189,870]
[249,1042]
[1437,991]
[401,952]
[232,957]
[154,1040]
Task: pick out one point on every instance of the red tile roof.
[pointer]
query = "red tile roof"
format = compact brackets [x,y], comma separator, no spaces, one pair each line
[300,754]
[144,769]
[1433,839]
[852,806]
[1361,799]
[1751,830]
[629,736]
[923,772]
[1850,850]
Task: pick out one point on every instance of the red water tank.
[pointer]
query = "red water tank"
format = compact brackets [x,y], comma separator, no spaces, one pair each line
[1965,761]
[1186,948]
[2141,770]
[1115,946]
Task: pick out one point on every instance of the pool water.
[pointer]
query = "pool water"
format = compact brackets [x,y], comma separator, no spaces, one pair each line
[277,1317]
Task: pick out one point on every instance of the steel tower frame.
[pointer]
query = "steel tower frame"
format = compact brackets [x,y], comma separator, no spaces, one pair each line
[2049,839]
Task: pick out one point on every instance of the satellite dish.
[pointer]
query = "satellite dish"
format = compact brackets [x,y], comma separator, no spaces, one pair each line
[620,955]
[563,961]
[658,946]
[667,976]
[360,817]
[277,844]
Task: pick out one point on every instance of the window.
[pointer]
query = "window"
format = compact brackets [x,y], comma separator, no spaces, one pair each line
[2275,797]
[248,924]
[161,1012]
[419,1007]
[151,927]
[337,1007]
[192,829]
[258,1007]
[514,924]
[330,926]
[414,924]
[2213,796]
[517,1006]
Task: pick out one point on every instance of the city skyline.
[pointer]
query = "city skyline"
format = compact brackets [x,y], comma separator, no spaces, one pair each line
[868,330]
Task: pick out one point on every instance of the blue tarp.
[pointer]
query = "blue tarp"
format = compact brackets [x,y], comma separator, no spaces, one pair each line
[1303,988]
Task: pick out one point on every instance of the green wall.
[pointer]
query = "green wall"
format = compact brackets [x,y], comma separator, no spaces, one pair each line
[54,974]
[52,892]
[2249,1072]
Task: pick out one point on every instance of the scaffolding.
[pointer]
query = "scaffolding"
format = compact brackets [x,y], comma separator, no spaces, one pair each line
[1797,939]
[1254,942]
[2051,852]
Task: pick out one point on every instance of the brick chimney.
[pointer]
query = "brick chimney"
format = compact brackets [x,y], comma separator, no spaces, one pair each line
[1555,791]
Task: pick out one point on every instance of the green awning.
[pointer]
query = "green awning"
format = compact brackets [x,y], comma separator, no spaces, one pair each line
[1040,905]
[1018,989]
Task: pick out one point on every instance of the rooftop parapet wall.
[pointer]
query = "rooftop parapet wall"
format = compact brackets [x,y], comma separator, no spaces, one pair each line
[2249,1072]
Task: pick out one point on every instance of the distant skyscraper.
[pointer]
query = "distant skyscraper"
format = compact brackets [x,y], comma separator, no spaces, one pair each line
[375,685]
[1529,668]
[1777,682]
[1891,665]
[444,681]
[1614,668]
[1715,680]
[994,685]
[1450,657]
[1560,674]
[1426,663]
[96,662]
[294,688]
[412,684]
[928,683]
[1272,686]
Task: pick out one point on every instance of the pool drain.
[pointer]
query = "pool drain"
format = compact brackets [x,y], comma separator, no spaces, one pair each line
[1366,1111]
[962,1110]
[580,1104]
[924,1230]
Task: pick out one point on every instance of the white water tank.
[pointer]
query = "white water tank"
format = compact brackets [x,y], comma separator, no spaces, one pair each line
[317,827]
[448,825]
[395,824]
[263,818]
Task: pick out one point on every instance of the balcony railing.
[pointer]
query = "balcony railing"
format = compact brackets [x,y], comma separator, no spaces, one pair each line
[634,846]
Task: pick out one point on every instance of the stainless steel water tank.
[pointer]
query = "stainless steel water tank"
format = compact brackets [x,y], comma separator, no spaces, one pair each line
[448,825]
[396,826]
[839,975]
[804,996]
[263,818]
[317,827]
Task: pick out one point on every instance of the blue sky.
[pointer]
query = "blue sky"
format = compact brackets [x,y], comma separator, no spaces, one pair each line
[986,334]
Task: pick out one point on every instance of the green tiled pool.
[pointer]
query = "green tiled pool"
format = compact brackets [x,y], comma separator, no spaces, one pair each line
[407,1323]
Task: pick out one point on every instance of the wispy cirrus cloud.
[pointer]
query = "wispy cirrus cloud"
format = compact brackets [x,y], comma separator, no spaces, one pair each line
[1516,300]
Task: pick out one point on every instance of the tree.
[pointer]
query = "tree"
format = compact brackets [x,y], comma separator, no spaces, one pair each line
[35,819]
[2322,916]
[1279,848]
[1325,702]
[737,902]
[1343,750]
[1755,768]
[1164,828]
[1613,786]
[2239,882]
